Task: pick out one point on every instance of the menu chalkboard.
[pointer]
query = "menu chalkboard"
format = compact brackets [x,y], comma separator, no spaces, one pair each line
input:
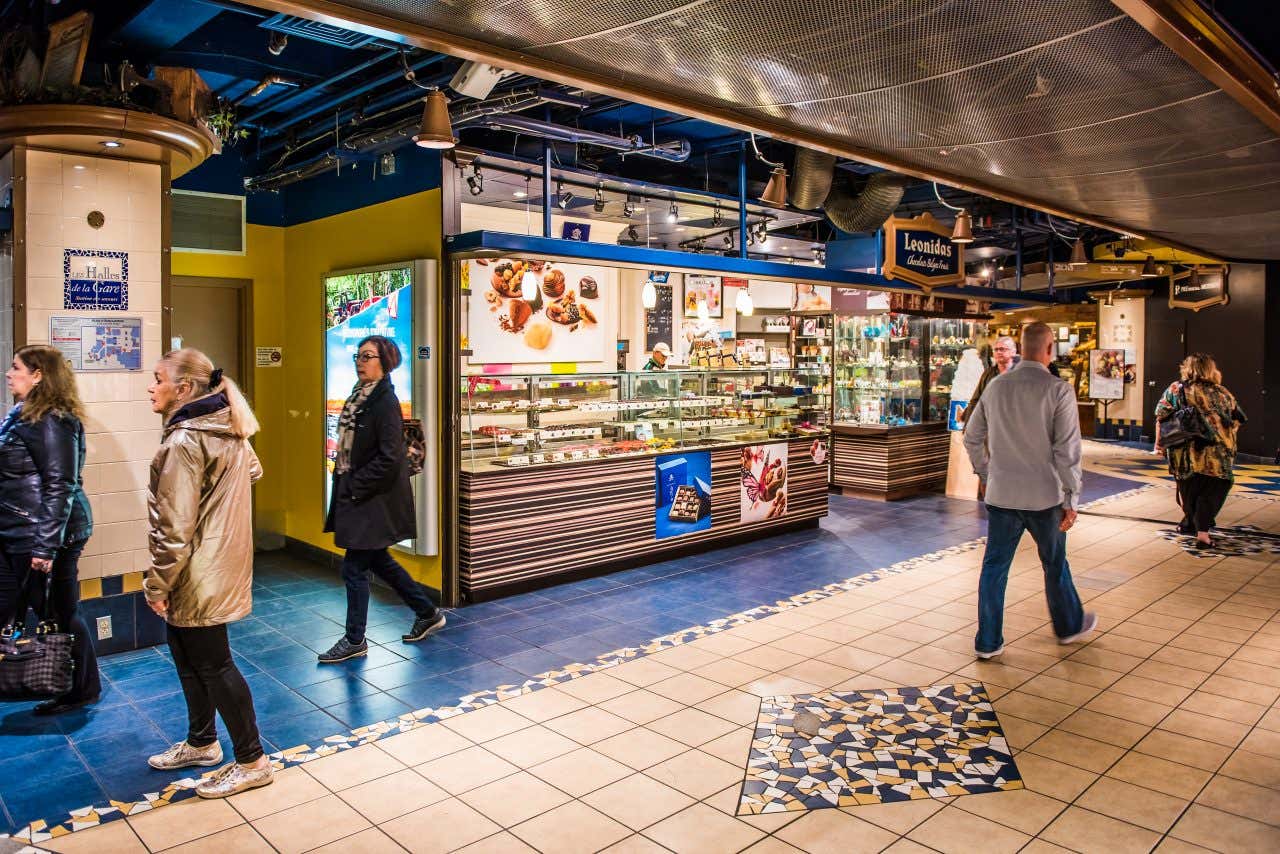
[658,320]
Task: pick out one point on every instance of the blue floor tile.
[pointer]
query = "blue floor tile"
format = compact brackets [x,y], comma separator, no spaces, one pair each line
[533,661]
[498,646]
[428,693]
[369,709]
[342,689]
[394,675]
[490,674]
[31,801]
[142,739]
[307,728]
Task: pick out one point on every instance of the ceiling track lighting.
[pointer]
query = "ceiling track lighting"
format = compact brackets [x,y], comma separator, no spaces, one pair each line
[475,181]
[598,205]
[673,214]
[276,43]
[563,196]
[717,218]
[633,234]
[728,241]
[628,209]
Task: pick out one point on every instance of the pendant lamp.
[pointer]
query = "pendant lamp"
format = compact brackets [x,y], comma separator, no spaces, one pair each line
[963,232]
[1078,257]
[649,295]
[436,130]
[1149,270]
[775,193]
[746,307]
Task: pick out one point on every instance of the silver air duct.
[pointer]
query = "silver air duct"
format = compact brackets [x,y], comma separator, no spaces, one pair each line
[866,211]
[811,178]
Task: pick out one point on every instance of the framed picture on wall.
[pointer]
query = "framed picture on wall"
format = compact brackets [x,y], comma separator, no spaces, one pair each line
[708,289]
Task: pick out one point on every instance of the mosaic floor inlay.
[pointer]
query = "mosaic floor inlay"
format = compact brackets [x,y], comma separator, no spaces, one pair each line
[873,747]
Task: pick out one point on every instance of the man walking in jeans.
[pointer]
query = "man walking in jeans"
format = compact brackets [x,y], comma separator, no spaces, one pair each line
[1023,439]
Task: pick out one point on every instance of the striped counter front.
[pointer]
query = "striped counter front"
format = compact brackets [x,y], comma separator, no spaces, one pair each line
[890,462]
[521,528]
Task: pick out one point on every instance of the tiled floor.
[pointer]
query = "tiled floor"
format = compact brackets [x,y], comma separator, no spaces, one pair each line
[1163,731]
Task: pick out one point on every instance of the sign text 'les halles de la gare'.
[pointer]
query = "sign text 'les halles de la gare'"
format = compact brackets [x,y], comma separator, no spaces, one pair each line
[920,251]
[95,280]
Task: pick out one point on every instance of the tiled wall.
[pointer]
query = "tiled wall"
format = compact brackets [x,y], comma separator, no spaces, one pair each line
[123,433]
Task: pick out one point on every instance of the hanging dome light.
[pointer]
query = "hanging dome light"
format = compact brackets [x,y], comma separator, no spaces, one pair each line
[1078,257]
[746,307]
[1149,270]
[649,295]
[775,193]
[963,232]
[436,131]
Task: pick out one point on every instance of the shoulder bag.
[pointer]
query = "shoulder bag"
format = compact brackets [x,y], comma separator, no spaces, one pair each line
[37,666]
[1185,425]
[415,445]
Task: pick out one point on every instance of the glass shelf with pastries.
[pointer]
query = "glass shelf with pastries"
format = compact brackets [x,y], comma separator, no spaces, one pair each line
[948,339]
[813,367]
[879,369]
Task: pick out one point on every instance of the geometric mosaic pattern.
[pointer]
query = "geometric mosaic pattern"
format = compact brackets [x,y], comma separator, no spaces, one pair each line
[844,749]
[1252,478]
[1228,542]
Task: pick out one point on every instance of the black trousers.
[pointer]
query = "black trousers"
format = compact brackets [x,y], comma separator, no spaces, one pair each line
[1201,497]
[212,682]
[20,586]
[356,566]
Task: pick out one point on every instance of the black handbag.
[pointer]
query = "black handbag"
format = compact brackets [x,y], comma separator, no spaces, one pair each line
[36,666]
[1185,425]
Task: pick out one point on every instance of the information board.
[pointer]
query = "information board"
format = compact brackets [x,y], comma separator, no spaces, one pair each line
[658,321]
[109,343]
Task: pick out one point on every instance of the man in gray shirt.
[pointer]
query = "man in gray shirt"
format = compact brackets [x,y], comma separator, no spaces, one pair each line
[1023,439]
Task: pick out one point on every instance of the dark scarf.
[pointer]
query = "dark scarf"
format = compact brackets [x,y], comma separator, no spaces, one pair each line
[347,424]
[199,408]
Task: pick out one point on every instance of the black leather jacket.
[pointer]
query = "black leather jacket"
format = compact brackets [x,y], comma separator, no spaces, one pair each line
[42,500]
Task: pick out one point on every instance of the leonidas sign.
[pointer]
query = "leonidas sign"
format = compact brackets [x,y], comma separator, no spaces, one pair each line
[920,251]
[1199,288]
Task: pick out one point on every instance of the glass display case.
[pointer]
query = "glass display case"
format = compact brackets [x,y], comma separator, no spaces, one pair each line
[812,366]
[527,420]
[948,339]
[879,369]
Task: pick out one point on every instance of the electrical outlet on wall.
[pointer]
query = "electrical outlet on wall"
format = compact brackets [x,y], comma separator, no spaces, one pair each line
[104,628]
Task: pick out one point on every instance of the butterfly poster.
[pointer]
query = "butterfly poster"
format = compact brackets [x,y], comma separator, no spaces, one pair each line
[764,482]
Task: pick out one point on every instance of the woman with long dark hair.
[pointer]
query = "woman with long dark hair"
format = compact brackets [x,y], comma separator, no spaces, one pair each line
[201,575]
[371,503]
[45,519]
[1203,471]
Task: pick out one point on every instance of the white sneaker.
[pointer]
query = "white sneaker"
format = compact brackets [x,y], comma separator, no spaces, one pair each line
[235,778]
[985,655]
[1086,628]
[183,755]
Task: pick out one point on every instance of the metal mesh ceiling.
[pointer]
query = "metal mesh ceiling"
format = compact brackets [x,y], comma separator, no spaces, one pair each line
[1068,102]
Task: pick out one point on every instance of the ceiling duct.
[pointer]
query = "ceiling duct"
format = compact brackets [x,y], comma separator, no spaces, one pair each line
[811,178]
[853,213]
[676,151]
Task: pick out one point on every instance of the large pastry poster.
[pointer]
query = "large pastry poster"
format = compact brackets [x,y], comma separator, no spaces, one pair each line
[764,482]
[566,321]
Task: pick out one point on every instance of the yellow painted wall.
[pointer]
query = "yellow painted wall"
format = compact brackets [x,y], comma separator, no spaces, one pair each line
[286,265]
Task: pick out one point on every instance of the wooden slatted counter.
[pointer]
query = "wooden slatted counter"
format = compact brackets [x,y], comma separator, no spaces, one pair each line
[522,528]
[890,462]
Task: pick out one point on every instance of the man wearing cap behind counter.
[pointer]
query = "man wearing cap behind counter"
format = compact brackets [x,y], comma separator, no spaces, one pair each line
[658,358]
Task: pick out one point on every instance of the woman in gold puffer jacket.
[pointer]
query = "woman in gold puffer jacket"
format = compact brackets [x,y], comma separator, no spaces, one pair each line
[201,575]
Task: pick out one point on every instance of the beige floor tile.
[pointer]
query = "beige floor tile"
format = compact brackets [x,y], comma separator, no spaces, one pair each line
[1022,809]
[643,672]
[733,747]
[691,657]
[639,748]
[687,688]
[837,632]
[820,673]
[731,672]
[1172,778]
[499,843]
[1200,643]
[587,726]
[692,726]
[1250,692]
[1033,708]
[311,825]
[514,799]
[810,646]
[1106,659]
[636,845]
[114,837]
[1020,733]
[768,658]
[953,831]
[1176,747]
[901,674]
[1184,677]
[900,817]
[241,839]
[1050,687]
[1087,832]
[1222,831]
[531,746]
[737,707]
[768,845]
[1238,711]
[852,658]
[348,768]
[371,841]
[1134,804]
[596,688]
[641,706]
[1271,720]
[544,704]
[573,828]
[446,826]
[581,771]
[776,685]
[1154,690]
[835,831]
[393,796]
[182,822]
[1041,846]
[1243,765]
[466,769]
[885,644]
[940,659]
[727,801]
[1169,845]
[995,672]
[1053,778]
[292,786]
[1140,711]
[488,723]
[1076,750]
[700,829]
[637,801]
[424,744]
[697,774]
[1101,727]
[1243,799]
[722,643]
[1262,741]
[1204,727]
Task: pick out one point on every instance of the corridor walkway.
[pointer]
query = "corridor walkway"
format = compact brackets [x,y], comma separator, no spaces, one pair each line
[825,698]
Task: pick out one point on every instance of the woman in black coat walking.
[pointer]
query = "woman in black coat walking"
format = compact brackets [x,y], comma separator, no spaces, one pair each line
[45,519]
[371,504]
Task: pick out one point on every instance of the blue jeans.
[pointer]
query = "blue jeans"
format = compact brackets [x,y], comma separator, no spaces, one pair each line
[356,566]
[1004,531]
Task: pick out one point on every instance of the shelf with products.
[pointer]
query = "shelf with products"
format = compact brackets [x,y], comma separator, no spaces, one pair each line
[878,369]
[541,420]
[948,339]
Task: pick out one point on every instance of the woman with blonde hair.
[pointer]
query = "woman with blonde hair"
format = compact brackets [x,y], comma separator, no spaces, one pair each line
[1203,470]
[45,519]
[201,574]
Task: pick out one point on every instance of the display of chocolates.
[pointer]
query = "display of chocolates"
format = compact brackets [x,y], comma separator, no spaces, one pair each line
[686,506]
